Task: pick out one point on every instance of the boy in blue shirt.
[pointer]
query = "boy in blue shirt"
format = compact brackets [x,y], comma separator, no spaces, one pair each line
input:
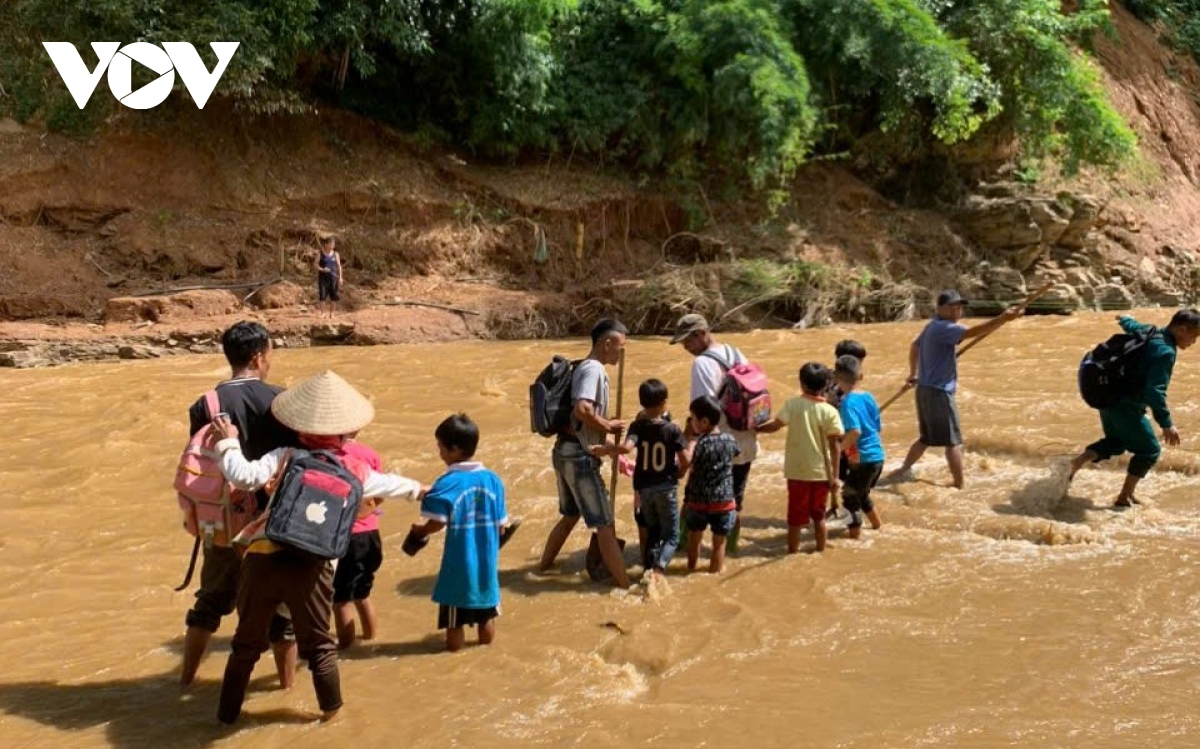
[468,501]
[862,447]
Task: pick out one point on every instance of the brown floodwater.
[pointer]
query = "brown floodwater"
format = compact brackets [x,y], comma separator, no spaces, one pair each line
[1000,615]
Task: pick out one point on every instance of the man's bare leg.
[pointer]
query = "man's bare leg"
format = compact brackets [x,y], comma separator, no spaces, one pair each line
[954,459]
[1126,498]
[1082,459]
[904,472]
[554,543]
[195,642]
[610,552]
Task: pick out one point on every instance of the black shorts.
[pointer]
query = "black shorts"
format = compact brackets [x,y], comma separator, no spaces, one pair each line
[452,617]
[327,287]
[356,570]
[937,418]
[856,492]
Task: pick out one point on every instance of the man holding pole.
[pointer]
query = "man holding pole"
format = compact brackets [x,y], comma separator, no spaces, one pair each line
[933,369]
[581,491]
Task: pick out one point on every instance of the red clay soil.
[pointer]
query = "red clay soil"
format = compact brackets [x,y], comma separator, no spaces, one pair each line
[215,197]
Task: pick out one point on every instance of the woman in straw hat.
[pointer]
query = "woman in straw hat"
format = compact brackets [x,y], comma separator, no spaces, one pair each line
[325,411]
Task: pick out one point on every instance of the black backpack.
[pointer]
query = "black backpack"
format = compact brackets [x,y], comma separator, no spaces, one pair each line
[314,504]
[1108,373]
[550,402]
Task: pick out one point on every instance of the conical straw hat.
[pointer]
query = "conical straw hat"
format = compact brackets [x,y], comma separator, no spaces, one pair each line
[324,404]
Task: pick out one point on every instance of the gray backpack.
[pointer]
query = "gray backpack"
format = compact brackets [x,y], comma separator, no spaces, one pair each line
[314,504]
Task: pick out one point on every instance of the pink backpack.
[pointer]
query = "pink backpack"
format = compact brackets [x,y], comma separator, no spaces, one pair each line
[743,395]
[213,511]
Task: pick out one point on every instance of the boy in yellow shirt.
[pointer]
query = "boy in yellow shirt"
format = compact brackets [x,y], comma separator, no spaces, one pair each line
[811,454]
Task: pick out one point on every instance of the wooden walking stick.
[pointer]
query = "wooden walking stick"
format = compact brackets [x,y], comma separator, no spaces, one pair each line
[1040,292]
[616,459]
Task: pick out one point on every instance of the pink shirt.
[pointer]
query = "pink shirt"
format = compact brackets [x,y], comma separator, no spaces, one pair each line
[371,458]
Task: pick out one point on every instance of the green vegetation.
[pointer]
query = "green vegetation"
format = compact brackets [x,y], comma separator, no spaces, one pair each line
[1179,18]
[729,92]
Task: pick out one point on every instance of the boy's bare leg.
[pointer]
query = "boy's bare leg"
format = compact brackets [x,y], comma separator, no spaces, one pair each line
[285,662]
[794,538]
[455,637]
[366,614]
[853,532]
[873,516]
[554,543]
[819,532]
[487,632]
[954,459]
[343,619]
[1082,459]
[610,552]
[195,642]
[693,548]
[717,561]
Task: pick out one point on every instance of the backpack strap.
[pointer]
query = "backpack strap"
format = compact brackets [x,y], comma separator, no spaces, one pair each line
[213,403]
[724,362]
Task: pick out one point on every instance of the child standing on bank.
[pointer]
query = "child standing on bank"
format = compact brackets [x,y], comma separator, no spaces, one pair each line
[661,458]
[356,570]
[468,501]
[709,498]
[811,455]
[863,448]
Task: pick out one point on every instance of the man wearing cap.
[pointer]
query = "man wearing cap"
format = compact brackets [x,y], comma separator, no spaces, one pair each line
[933,369]
[712,361]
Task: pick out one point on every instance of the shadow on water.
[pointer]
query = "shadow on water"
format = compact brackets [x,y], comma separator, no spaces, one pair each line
[362,651]
[135,713]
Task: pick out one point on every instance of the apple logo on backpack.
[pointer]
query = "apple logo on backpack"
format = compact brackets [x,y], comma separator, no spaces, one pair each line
[315,512]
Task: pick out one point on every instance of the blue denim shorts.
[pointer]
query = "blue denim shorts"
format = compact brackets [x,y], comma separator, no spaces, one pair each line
[722,523]
[581,489]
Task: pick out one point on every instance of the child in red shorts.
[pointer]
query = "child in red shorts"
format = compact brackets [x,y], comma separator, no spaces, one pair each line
[811,455]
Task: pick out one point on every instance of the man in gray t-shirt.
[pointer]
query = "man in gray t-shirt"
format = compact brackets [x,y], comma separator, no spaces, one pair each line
[577,452]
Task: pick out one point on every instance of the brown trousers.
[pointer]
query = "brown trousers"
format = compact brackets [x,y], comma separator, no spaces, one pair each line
[305,584]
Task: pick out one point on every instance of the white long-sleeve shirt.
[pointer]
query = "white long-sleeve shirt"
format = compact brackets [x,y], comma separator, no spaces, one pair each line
[253,474]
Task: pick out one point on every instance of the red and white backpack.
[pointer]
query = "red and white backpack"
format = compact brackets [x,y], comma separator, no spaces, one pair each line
[213,510]
[743,395]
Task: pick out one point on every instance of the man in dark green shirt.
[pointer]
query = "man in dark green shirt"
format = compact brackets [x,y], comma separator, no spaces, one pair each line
[1126,428]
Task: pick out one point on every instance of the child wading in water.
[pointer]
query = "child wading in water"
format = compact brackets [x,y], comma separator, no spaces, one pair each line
[325,410]
[468,502]
[812,454]
[356,570]
[862,447]
[709,496]
[661,458]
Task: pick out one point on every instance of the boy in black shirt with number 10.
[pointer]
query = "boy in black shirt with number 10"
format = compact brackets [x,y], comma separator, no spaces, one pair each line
[661,459]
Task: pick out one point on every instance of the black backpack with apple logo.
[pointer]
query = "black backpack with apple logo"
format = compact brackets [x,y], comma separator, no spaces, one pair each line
[314,504]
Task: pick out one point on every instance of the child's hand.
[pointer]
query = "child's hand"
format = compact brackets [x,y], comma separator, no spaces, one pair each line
[833,490]
[223,427]
[625,466]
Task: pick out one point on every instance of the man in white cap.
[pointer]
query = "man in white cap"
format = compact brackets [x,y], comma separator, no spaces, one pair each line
[325,411]
[933,369]
[712,361]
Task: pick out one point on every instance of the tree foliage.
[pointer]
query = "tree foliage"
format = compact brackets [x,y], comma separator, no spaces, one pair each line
[743,90]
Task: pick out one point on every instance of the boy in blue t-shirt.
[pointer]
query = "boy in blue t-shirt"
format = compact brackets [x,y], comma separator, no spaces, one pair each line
[468,501]
[862,445]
